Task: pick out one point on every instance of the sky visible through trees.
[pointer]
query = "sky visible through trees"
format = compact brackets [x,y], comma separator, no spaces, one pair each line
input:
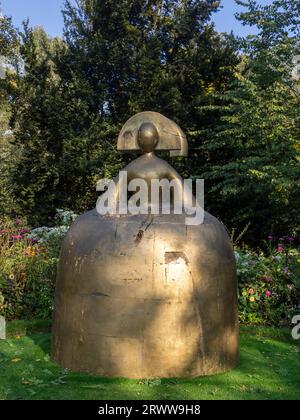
[47,13]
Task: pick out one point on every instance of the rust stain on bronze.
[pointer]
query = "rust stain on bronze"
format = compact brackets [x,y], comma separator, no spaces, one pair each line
[139,237]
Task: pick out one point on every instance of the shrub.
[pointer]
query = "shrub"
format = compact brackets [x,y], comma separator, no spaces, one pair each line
[28,261]
[268,285]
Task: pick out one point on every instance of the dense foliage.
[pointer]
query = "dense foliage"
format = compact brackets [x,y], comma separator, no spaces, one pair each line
[9,68]
[28,261]
[116,59]
[269,284]
[253,151]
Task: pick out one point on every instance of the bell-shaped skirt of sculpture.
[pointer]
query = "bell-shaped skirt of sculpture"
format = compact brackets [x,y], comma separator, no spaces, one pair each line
[146,296]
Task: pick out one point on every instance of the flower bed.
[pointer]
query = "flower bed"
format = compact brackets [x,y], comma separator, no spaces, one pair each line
[269,284]
[28,262]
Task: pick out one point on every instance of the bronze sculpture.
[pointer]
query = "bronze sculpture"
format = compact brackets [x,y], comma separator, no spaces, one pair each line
[143,296]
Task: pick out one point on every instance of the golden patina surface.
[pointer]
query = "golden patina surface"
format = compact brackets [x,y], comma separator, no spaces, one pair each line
[146,295]
[170,135]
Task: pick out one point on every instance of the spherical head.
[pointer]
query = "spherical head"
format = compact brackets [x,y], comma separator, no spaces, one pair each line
[148,137]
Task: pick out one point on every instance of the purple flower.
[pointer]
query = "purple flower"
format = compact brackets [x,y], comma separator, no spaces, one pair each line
[18,221]
[270,238]
[286,271]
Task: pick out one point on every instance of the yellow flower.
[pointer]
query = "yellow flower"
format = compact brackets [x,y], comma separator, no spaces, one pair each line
[13,83]
[16,360]
[252,299]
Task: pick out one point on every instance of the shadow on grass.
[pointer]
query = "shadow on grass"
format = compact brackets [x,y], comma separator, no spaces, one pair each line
[269,369]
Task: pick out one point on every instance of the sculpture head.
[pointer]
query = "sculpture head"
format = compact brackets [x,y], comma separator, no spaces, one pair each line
[148,137]
[149,130]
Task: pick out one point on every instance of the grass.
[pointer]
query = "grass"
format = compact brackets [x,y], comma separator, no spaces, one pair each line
[269,369]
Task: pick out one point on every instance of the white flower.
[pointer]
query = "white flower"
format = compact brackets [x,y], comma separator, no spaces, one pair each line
[65,217]
[237,255]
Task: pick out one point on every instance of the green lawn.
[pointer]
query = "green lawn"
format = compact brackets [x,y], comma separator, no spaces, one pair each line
[269,369]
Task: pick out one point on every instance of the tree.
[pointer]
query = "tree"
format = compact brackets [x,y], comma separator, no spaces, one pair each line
[38,123]
[9,66]
[149,55]
[253,154]
[116,59]
[272,50]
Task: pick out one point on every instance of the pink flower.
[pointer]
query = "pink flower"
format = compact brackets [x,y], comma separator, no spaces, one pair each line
[280,248]
[18,221]
[251,292]
[268,279]
[24,231]
[17,237]
[268,293]
[270,238]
